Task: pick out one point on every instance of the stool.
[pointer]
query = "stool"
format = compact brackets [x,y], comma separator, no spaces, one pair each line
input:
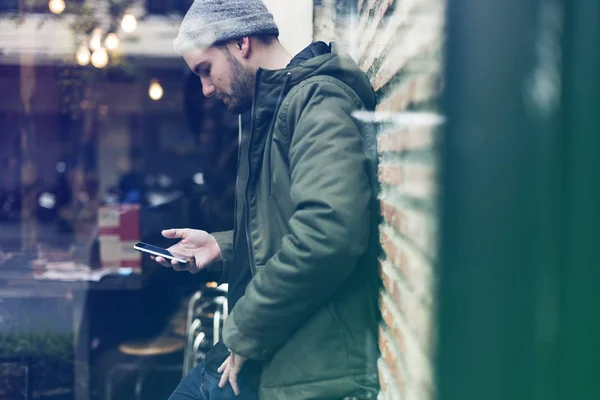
[177,324]
[146,349]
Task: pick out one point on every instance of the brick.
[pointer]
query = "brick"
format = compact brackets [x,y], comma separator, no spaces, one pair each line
[416,272]
[392,288]
[370,28]
[391,174]
[427,88]
[397,256]
[389,388]
[392,359]
[360,5]
[416,367]
[393,324]
[408,304]
[365,16]
[421,39]
[416,314]
[400,98]
[392,63]
[383,371]
[410,179]
[394,254]
[420,181]
[412,225]
[414,89]
[387,35]
[406,139]
[406,33]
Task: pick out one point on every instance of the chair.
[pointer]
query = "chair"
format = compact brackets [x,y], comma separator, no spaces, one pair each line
[207,311]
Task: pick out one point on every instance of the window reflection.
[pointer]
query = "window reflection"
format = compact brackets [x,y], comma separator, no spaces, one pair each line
[105,140]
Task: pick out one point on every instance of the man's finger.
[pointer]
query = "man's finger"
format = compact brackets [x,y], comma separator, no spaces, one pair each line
[178,267]
[222,367]
[162,261]
[174,233]
[233,381]
[224,377]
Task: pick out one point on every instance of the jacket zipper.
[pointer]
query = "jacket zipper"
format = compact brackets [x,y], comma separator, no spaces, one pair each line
[237,178]
[269,139]
[246,208]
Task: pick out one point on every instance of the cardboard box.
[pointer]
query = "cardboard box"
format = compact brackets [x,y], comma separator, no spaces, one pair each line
[118,231]
[110,252]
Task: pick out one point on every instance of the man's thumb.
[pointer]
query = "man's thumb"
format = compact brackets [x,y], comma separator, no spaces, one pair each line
[174,233]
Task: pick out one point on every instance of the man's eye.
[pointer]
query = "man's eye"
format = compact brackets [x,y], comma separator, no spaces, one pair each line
[206,72]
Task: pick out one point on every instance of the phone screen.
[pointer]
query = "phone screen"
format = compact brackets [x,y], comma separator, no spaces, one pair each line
[159,251]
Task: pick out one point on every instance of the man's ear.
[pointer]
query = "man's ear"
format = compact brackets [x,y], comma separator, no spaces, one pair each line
[244,45]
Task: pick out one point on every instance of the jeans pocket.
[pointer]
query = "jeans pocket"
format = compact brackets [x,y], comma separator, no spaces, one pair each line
[212,391]
[204,389]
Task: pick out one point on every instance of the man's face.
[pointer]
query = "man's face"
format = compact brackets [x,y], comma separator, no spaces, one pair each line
[222,75]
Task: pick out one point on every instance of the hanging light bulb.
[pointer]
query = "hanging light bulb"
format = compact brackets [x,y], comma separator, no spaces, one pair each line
[155,91]
[128,23]
[56,6]
[83,56]
[96,39]
[112,41]
[100,58]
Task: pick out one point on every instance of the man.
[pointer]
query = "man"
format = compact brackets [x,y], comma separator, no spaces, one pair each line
[301,261]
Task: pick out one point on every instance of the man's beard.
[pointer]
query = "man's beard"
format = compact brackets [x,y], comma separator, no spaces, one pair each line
[242,87]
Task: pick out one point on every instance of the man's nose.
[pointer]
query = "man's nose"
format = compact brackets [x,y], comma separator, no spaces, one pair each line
[208,90]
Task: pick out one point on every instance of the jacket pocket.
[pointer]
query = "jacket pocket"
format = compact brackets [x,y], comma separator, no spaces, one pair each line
[315,352]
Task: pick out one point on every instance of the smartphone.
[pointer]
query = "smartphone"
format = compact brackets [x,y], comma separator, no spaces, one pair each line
[159,251]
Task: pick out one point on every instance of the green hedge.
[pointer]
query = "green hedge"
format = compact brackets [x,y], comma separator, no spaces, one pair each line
[49,357]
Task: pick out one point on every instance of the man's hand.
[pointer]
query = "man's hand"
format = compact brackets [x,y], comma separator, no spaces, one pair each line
[230,370]
[199,246]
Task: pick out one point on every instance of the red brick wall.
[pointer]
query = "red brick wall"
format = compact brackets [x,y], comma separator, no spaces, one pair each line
[398,43]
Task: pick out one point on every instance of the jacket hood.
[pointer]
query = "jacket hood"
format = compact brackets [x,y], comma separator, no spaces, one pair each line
[319,59]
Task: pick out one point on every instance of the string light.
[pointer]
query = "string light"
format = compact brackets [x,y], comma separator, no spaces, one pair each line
[83,56]
[56,6]
[100,58]
[128,23]
[155,91]
[112,41]
[96,39]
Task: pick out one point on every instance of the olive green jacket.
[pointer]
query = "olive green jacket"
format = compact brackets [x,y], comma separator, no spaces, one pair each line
[307,182]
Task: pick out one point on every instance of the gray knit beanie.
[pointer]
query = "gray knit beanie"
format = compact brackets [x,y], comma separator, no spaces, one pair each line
[210,21]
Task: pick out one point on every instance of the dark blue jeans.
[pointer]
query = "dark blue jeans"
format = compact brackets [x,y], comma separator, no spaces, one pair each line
[200,384]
